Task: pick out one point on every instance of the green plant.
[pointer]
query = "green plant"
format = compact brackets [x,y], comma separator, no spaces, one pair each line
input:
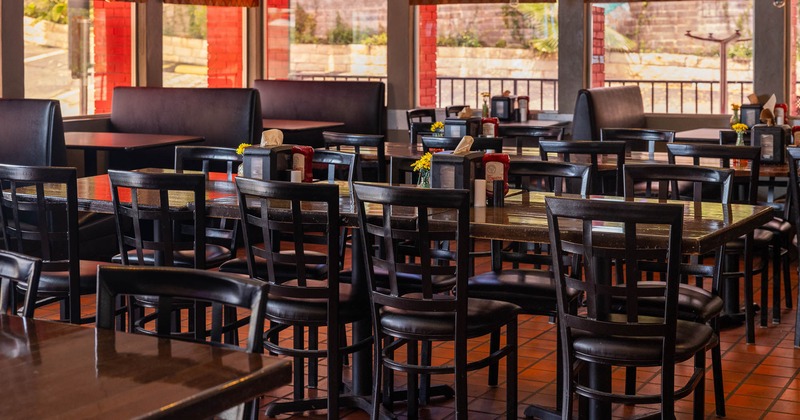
[198,22]
[466,38]
[49,10]
[344,34]
[377,39]
[305,26]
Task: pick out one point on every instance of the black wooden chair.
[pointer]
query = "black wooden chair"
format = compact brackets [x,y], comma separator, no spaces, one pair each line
[419,122]
[794,193]
[171,285]
[640,139]
[154,232]
[403,320]
[453,110]
[23,270]
[631,337]
[450,143]
[605,180]
[371,167]
[47,228]
[530,137]
[695,303]
[302,216]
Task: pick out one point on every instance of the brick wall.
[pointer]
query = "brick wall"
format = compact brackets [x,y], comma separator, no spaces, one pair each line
[598,47]
[427,56]
[112,51]
[276,40]
[225,65]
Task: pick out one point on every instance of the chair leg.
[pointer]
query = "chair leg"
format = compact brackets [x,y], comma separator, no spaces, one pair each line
[298,362]
[412,385]
[719,387]
[425,379]
[494,345]
[700,391]
[776,282]
[461,378]
[313,362]
[377,376]
[334,372]
[511,370]
[787,279]
[630,380]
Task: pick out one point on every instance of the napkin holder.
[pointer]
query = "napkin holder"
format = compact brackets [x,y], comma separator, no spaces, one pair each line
[503,108]
[457,127]
[773,141]
[750,114]
[268,163]
[456,171]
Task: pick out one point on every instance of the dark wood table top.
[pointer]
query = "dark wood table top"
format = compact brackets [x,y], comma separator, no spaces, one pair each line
[299,125]
[86,140]
[52,369]
[533,123]
[706,225]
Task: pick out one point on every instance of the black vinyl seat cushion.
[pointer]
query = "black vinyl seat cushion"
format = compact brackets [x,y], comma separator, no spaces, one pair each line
[761,238]
[215,255]
[315,311]
[56,283]
[282,271]
[778,225]
[691,337]
[483,317]
[694,303]
[532,290]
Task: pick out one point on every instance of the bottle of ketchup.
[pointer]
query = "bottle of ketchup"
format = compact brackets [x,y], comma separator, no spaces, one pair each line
[302,157]
[495,167]
[490,127]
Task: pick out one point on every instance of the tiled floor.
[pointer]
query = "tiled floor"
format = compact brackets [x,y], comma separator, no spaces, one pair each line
[762,381]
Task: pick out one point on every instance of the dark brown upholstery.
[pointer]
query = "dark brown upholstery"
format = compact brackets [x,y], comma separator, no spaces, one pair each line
[18,269]
[607,107]
[361,106]
[223,117]
[33,132]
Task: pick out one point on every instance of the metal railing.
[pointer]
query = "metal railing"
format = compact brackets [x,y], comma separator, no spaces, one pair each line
[661,96]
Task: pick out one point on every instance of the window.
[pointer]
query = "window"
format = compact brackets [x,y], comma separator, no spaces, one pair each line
[321,40]
[203,46]
[671,49]
[488,48]
[77,53]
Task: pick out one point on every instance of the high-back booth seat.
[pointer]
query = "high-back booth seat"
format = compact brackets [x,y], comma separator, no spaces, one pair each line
[33,133]
[224,117]
[607,107]
[361,106]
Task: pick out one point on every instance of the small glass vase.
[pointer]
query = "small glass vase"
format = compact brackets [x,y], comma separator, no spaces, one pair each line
[438,132]
[424,180]
[735,117]
[740,138]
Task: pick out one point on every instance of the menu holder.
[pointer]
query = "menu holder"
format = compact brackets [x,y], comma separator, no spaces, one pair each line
[268,163]
[772,139]
[456,171]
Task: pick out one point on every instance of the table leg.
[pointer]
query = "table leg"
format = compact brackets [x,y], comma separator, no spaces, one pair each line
[89,162]
[362,359]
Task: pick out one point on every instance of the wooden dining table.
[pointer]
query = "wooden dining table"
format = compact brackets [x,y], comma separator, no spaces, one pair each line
[59,370]
[521,218]
[92,142]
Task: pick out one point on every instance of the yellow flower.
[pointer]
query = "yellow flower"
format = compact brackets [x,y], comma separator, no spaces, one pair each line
[240,149]
[438,125]
[739,128]
[423,163]
[735,107]
[485,94]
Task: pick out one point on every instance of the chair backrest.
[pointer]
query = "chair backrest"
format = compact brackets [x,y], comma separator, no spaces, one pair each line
[358,142]
[638,138]
[606,107]
[669,176]
[450,143]
[574,232]
[401,170]
[550,176]
[794,183]
[453,110]
[140,197]
[35,224]
[170,284]
[33,133]
[297,215]
[337,165]
[590,151]
[728,156]
[530,137]
[729,137]
[207,159]
[402,214]
[420,115]
[18,269]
